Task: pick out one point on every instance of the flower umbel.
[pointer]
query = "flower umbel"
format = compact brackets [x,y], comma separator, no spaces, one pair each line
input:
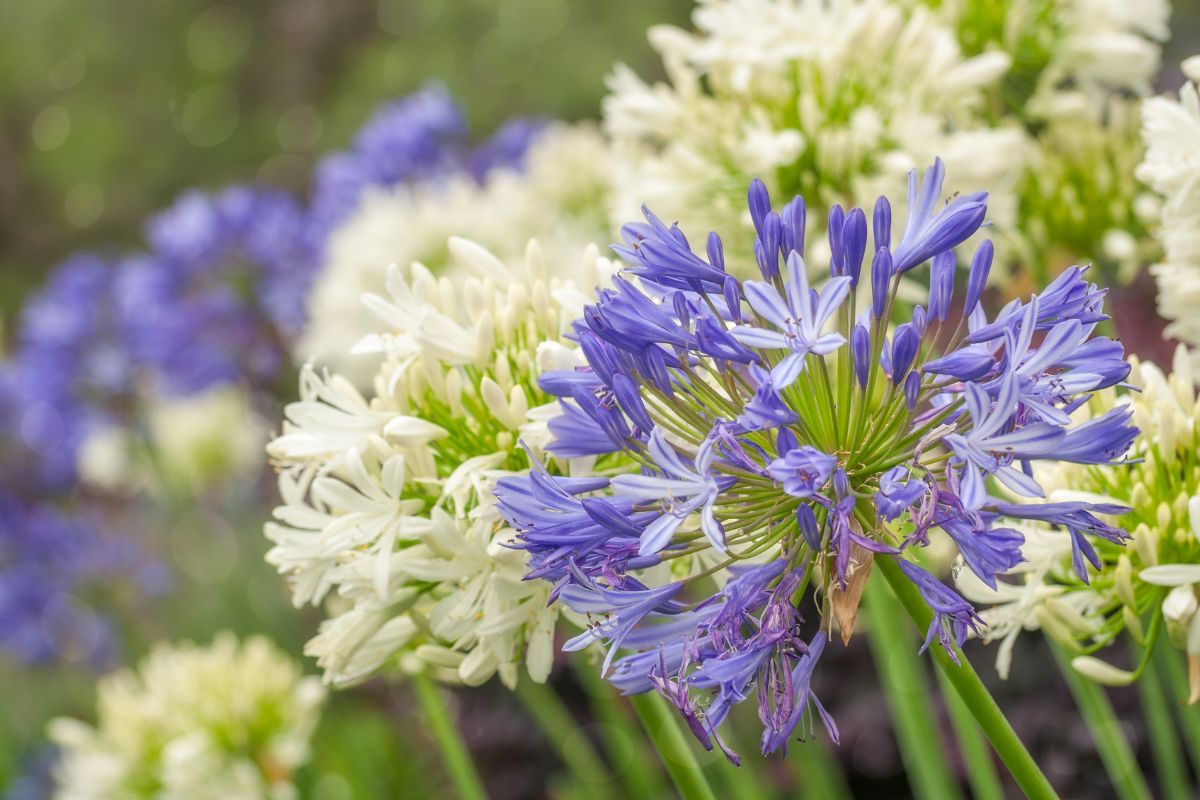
[231,720]
[388,510]
[812,456]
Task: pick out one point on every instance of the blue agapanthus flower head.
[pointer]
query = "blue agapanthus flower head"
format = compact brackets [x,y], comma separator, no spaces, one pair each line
[507,147]
[418,138]
[50,561]
[770,439]
[222,292]
[73,363]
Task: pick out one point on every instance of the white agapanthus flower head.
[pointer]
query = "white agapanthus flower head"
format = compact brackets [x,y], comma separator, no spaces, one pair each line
[559,195]
[229,721]
[388,517]
[1070,56]
[831,100]
[1171,129]
[1101,46]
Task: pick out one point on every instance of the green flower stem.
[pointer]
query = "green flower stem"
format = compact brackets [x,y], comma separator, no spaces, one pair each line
[974,694]
[981,768]
[1170,663]
[1164,739]
[621,734]
[905,685]
[455,755]
[591,776]
[817,771]
[1102,722]
[672,746]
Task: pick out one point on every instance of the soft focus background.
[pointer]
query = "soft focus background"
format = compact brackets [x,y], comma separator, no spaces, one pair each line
[109,110]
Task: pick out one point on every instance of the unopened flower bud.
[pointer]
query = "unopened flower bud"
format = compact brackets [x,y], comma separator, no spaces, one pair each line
[1123,581]
[1101,671]
[1178,609]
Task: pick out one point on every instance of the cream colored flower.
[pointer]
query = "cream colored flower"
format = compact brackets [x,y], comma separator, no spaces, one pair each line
[833,100]
[228,721]
[559,195]
[388,516]
[1171,129]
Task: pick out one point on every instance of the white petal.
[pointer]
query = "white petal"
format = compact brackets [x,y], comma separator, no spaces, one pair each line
[1171,574]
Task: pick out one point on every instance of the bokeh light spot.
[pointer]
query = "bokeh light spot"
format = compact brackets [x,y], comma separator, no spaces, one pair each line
[71,629]
[51,127]
[205,548]
[219,37]
[209,116]
[533,20]
[84,204]
[332,786]
[42,428]
[67,73]
[407,17]
[285,170]
[503,57]
[299,128]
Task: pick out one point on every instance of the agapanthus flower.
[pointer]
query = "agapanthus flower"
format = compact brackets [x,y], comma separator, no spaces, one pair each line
[221,295]
[74,366]
[832,100]
[836,100]
[1171,130]
[63,557]
[1085,595]
[45,557]
[232,720]
[876,440]
[419,138]
[556,191]
[388,510]
[1069,56]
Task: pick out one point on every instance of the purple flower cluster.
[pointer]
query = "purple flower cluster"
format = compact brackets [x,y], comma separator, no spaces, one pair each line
[770,436]
[73,368]
[222,292]
[218,296]
[420,137]
[47,559]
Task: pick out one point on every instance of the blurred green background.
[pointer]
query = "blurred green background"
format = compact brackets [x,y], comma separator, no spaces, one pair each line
[108,110]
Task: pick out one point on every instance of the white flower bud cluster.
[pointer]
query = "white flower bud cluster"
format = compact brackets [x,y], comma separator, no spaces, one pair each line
[388,518]
[232,720]
[837,100]
[834,100]
[1171,130]
[559,196]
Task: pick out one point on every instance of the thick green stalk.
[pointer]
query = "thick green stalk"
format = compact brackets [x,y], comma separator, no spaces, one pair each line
[455,755]
[572,745]
[817,771]
[906,687]
[1171,664]
[981,768]
[1115,753]
[1164,738]
[974,694]
[621,734]
[673,747]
